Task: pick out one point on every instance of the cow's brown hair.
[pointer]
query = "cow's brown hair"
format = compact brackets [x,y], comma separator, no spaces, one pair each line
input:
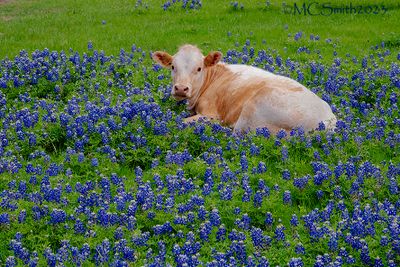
[212,58]
[163,58]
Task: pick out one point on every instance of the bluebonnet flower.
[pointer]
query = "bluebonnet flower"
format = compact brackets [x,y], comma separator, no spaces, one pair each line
[287,197]
[118,234]
[102,252]
[166,228]
[263,132]
[343,253]
[258,198]
[244,163]
[215,218]
[226,193]
[22,216]
[378,262]
[299,249]
[285,153]
[350,260]
[221,233]
[384,241]
[202,213]
[239,248]
[338,192]
[301,182]
[81,157]
[296,262]
[11,261]
[286,174]
[247,194]
[151,215]
[365,257]
[50,257]
[333,242]
[79,227]
[141,239]
[205,230]
[268,219]
[319,177]
[259,239]
[95,162]
[261,167]
[298,35]
[254,150]
[58,216]
[320,194]
[279,233]
[294,221]
[319,263]
[237,211]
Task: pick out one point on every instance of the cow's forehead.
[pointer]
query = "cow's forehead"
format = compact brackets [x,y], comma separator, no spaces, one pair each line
[188,54]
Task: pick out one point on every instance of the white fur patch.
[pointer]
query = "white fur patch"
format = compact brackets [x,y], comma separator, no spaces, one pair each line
[248,72]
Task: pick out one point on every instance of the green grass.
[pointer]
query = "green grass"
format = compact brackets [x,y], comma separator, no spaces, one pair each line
[60,25]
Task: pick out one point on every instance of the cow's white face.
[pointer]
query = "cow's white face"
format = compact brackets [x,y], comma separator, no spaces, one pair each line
[188,68]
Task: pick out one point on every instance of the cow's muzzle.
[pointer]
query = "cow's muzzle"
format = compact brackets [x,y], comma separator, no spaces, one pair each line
[180,91]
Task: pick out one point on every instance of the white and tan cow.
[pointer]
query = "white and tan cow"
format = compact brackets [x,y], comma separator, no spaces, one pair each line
[241,96]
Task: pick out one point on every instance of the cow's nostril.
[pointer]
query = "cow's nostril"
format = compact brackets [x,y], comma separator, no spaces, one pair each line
[179,89]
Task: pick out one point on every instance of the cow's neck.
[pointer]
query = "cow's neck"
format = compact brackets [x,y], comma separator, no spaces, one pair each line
[211,74]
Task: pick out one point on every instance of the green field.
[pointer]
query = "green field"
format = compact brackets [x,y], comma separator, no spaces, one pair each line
[60,25]
[98,168]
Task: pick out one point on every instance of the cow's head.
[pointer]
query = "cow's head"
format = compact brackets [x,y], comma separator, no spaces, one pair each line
[188,67]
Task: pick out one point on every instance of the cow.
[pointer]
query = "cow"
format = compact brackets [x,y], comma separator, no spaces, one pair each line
[242,97]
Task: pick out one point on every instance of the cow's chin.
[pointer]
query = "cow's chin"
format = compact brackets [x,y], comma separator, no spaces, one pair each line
[179,97]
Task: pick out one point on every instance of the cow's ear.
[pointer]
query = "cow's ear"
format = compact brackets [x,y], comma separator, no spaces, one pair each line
[162,58]
[212,58]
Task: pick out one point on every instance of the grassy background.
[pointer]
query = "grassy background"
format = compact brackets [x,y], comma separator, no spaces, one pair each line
[60,25]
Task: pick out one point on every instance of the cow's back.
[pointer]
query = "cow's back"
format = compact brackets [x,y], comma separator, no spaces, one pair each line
[279,100]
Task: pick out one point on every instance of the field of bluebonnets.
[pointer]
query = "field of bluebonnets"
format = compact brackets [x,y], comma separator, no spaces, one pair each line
[98,168]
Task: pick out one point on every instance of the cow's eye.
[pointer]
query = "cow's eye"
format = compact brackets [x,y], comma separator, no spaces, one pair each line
[199,69]
[173,67]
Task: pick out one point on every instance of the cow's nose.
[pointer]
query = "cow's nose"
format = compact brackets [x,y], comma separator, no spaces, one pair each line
[181,89]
